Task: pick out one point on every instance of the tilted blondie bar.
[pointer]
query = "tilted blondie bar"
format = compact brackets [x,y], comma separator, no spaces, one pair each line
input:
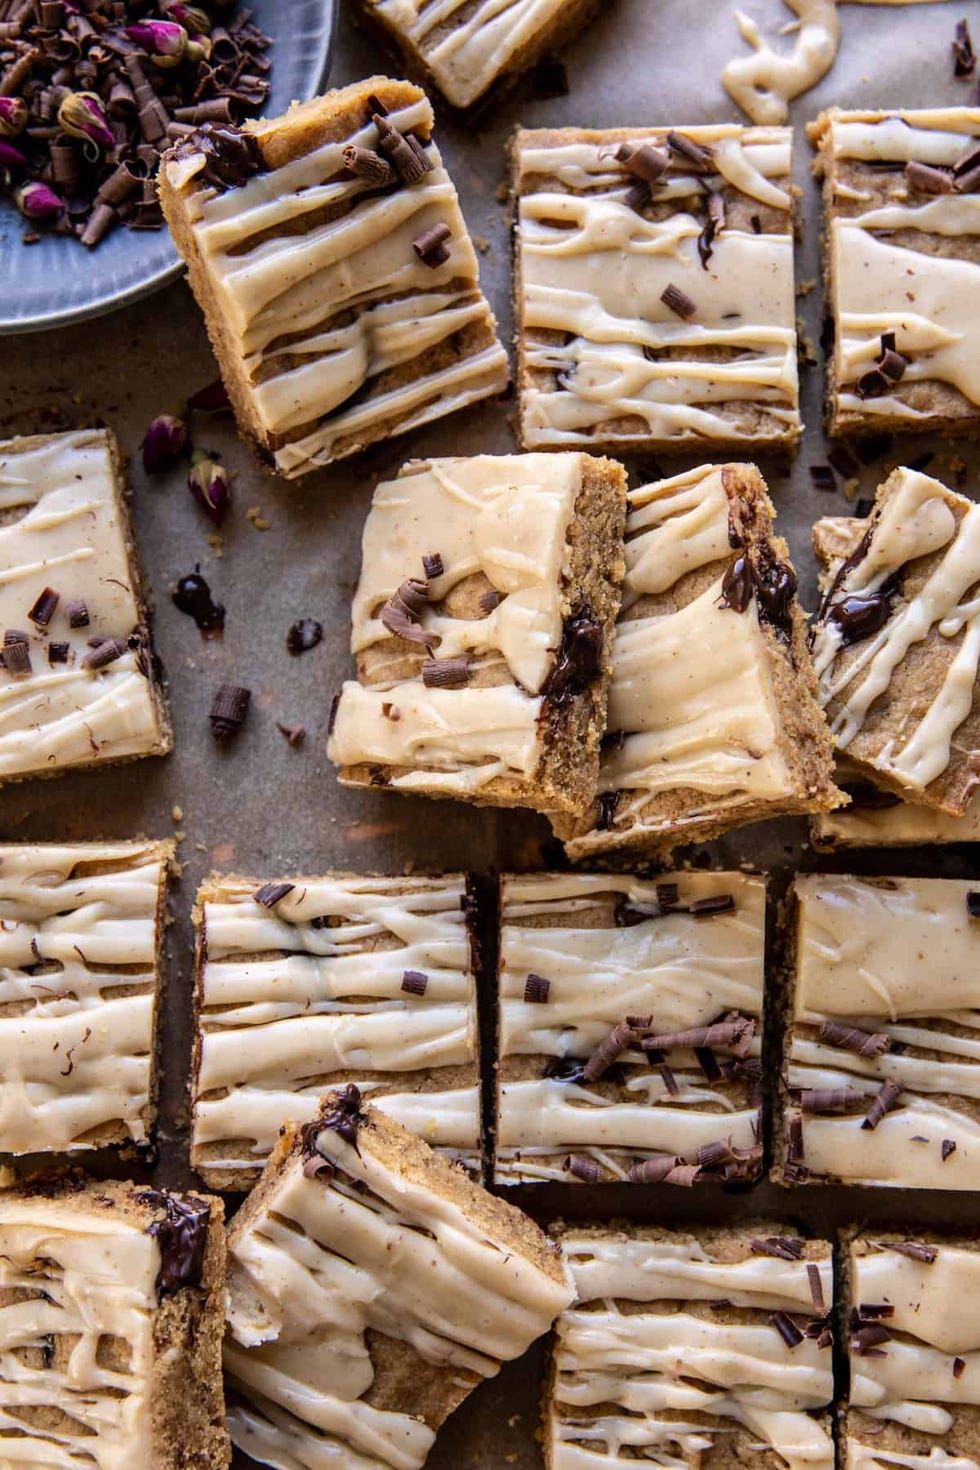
[339,284]
[482,627]
[310,984]
[629,1028]
[877,818]
[690,1349]
[653,289]
[463,49]
[914,1352]
[902,268]
[372,1286]
[81,935]
[111,1319]
[76,682]
[712,717]
[897,641]
[881,1083]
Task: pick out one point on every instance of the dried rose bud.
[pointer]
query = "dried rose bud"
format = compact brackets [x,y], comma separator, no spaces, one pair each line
[165,442]
[210,485]
[81,115]
[198,48]
[163,40]
[37,201]
[11,157]
[13,116]
[191,17]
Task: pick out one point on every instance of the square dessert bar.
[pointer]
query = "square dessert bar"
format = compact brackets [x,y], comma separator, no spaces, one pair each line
[372,1286]
[897,641]
[81,934]
[629,1028]
[914,1352]
[654,293]
[310,984]
[111,1320]
[482,626]
[693,1349]
[877,818]
[712,716]
[464,47]
[340,288]
[902,268]
[881,1082]
[76,687]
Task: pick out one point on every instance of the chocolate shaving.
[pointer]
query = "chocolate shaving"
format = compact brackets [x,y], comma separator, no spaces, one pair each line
[364,163]
[228,710]
[735,1032]
[491,600]
[816,1286]
[946,1148]
[272,893]
[831,1099]
[714,222]
[654,1170]
[708,1063]
[964,56]
[670,1082]
[343,1114]
[926,179]
[850,1038]
[294,734]
[692,152]
[536,990]
[643,161]
[927,1254]
[430,247]
[885,1099]
[580,1166]
[787,1329]
[16,655]
[58,653]
[231,155]
[401,614]
[784,1248]
[415,982]
[843,461]
[718,903]
[45,603]
[869,1337]
[433,567]
[619,1039]
[871,1312]
[684,1176]
[679,302]
[446,673]
[889,369]
[78,616]
[959,1364]
[410,162]
[714,1155]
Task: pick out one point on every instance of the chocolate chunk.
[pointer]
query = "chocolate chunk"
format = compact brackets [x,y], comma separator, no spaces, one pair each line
[59,653]
[77,612]
[228,710]
[784,1248]
[231,156]
[414,982]
[580,1166]
[433,567]
[548,78]
[430,247]
[606,804]
[365,164]
[272,893]
[738,584]
[536,990]
[181,1233]
[579,662]
[860,616]
[192,596]
[843,461]
[446,673]
[679,302]
[850,1038]
[885,1099]
[294,734]
[959,1364]
[822,477]
[787,1329]
[655,1170]
[16,654]
[106,652]
[867,797]
[947,1147]
[44,605]
[303,635]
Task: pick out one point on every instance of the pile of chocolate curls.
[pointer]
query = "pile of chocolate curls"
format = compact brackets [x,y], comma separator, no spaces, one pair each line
[93,91]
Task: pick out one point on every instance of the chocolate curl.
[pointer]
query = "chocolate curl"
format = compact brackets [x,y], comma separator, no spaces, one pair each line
[643,161]
[365,164]
[580,1166]
[121,184]
[850,1038]
[886,1099]
[401,614]
[787,1329]
[831,1099]
[64,167]
[215,109]
[16,75]
[153,117]
[735,1032]
[684,1176]
[410,162]
[654,1171]
[607,1052]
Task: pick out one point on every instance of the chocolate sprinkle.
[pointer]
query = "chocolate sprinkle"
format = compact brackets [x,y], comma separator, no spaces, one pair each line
[580,1166]
[181,1234]
[414,982]
[787,1329]
[228,710]
[885,1099]
[946,1148]
[77,614]
[850,1038]
[782,1247]
[44,605]
[679,302]
[536,990]
[272,893]
[303,635]
[446,673]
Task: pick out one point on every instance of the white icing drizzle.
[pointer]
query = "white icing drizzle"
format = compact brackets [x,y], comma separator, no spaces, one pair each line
[505,518]
[857,943]
[765,83]
[916,520]
[71,536]
[75,1054]
[286,1002]
[691,689]
[324,1262]
[279,293]
[594,269]
[685,972]
[933,1321]
[466,47]
[881,285]
[76,1277]
[661,1368]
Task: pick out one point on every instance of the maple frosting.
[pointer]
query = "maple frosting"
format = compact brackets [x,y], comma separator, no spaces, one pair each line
[332,1257]
[63,528]
[317,986]
[611,353]
[681,970]
[315,274]
[79,935]
[648,1367]
[861,945]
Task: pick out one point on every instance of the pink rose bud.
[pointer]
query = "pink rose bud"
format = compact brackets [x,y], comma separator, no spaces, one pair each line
[165,442]
[163,40]
[81,115]
[210,485]
[13,116]
[191,17]
[37,201]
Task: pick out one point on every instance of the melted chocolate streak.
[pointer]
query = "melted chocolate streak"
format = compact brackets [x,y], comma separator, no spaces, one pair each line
[860,617]
[579,661]
[182,1235]
[771,582]
[231,156]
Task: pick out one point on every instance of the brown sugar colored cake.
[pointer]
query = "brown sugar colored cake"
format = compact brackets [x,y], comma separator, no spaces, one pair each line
[81,934]
[902,268]
[111,1320]
[712,716]
[653,288]
[881,1084]
[629,1028]
[313,983]
[76,683]
[897,641]
[482,624]
[463,48]
[372,1286]
[338,282]
[692,1349]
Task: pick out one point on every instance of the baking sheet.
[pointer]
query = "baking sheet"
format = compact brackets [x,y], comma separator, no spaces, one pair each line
[262,808]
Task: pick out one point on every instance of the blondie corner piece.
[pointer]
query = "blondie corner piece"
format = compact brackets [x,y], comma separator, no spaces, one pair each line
[339,284]
[450,1282]
[482,627]
[877,818]
[75,681]
[914,1351]
[111,1320]
[81,934]
[313,983]
[654,292]
[463,49]
[712,717]
[880,1083]
[630,1019]
[897,641]
[902,268]
[689,1349]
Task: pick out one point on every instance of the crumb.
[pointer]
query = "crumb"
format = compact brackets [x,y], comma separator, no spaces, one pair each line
[254,514]
[177,814]
[482,243]
[217,545]
[805,287]
[503,191]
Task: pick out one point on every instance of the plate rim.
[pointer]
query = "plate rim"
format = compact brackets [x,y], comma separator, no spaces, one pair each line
[52,320]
